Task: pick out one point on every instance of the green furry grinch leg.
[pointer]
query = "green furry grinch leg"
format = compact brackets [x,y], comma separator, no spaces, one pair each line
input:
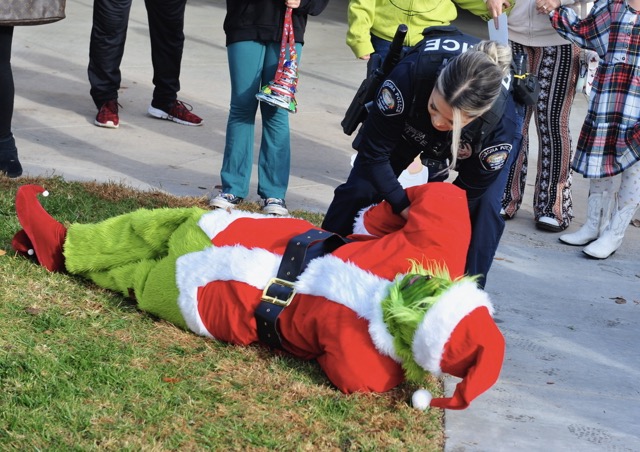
[135,254]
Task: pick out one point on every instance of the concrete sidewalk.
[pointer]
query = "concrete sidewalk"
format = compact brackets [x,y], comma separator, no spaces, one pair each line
[571,379]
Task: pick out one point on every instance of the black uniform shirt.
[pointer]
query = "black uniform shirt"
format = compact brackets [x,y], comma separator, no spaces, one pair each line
[397,129]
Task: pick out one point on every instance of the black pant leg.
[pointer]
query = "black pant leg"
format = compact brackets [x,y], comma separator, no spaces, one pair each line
[106,48]
[166,31]
[7,89]
[487,225]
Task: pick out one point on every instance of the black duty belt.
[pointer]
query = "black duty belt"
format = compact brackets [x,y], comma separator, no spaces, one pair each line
[280,290]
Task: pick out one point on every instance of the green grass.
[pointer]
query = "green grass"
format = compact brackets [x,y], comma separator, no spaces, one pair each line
[82,369]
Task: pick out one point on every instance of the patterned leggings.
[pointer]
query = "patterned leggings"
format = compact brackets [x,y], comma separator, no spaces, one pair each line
[557,69]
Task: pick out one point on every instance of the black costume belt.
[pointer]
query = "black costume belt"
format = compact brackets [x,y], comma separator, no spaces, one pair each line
[280,290]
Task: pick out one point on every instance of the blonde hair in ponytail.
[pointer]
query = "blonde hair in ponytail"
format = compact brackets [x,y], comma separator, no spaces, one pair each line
[471,83]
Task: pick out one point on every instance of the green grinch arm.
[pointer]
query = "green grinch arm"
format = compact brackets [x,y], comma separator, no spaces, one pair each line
[479,7]
[135,254]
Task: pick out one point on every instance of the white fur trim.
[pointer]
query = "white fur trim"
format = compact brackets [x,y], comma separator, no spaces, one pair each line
[212,223]
[439,322]
[229,263]
[358,223]
[327,276]
[357,289]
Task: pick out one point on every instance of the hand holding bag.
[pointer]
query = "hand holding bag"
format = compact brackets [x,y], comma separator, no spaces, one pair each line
[31,12]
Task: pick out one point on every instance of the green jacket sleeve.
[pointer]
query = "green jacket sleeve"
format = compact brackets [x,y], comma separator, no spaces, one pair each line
[360,17]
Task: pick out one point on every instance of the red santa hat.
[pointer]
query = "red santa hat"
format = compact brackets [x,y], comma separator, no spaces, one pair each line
[459,337]
[42,235]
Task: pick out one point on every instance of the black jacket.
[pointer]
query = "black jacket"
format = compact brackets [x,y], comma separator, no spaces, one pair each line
[262,20]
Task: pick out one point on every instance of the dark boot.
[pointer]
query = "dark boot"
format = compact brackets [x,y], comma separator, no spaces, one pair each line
[9,163]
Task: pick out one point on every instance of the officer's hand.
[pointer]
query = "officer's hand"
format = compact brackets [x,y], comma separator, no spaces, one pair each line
[405,213]
[495,8]
[365,57]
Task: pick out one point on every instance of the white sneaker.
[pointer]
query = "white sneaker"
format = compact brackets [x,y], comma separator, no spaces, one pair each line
[275,206]
[225,201]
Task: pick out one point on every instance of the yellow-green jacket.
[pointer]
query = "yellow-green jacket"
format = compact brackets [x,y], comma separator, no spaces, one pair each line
[382,17]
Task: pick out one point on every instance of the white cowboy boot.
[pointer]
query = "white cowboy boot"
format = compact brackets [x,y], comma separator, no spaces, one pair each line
[611,239]
[598,214]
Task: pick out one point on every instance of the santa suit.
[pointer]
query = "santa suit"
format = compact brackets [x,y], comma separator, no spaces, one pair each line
[336,316]
[206,271]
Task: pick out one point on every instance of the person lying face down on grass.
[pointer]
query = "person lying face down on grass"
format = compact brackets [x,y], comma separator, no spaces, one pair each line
[390,304]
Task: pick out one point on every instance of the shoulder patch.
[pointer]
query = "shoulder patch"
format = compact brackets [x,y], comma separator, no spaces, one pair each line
[390,101]
[493,158]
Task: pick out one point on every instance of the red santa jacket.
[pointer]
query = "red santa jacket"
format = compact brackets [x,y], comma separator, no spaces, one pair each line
[336,317]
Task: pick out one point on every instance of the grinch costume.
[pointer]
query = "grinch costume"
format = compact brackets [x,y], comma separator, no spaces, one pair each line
[376,310]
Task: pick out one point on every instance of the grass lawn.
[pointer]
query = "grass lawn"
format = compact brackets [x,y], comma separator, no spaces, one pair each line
[82,369]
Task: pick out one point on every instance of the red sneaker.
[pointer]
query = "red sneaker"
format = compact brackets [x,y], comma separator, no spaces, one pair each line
[108,115]
[179,112]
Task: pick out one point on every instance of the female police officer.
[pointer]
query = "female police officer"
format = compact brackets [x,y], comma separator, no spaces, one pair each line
[450,101]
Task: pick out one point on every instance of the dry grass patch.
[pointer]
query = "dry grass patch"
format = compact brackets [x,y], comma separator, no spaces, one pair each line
[82,369]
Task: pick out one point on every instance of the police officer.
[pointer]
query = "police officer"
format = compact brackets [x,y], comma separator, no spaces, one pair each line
[450,101]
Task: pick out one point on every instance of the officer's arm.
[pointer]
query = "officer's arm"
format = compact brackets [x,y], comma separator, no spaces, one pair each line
[479,171]
[382,134]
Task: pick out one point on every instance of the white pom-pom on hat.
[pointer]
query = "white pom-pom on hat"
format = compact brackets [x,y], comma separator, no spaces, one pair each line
[421,399]
[459,326]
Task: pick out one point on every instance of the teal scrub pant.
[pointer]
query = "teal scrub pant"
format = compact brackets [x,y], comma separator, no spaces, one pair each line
[253,64]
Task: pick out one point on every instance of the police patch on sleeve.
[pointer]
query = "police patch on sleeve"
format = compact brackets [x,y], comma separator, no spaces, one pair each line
[494,157]
[390,101]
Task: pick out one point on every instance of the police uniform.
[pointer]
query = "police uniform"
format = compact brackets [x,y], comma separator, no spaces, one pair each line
[398,128]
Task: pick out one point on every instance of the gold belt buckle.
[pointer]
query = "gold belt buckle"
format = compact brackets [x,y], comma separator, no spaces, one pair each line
[275,300]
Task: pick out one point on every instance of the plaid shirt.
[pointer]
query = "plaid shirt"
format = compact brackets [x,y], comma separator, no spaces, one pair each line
[610,137]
